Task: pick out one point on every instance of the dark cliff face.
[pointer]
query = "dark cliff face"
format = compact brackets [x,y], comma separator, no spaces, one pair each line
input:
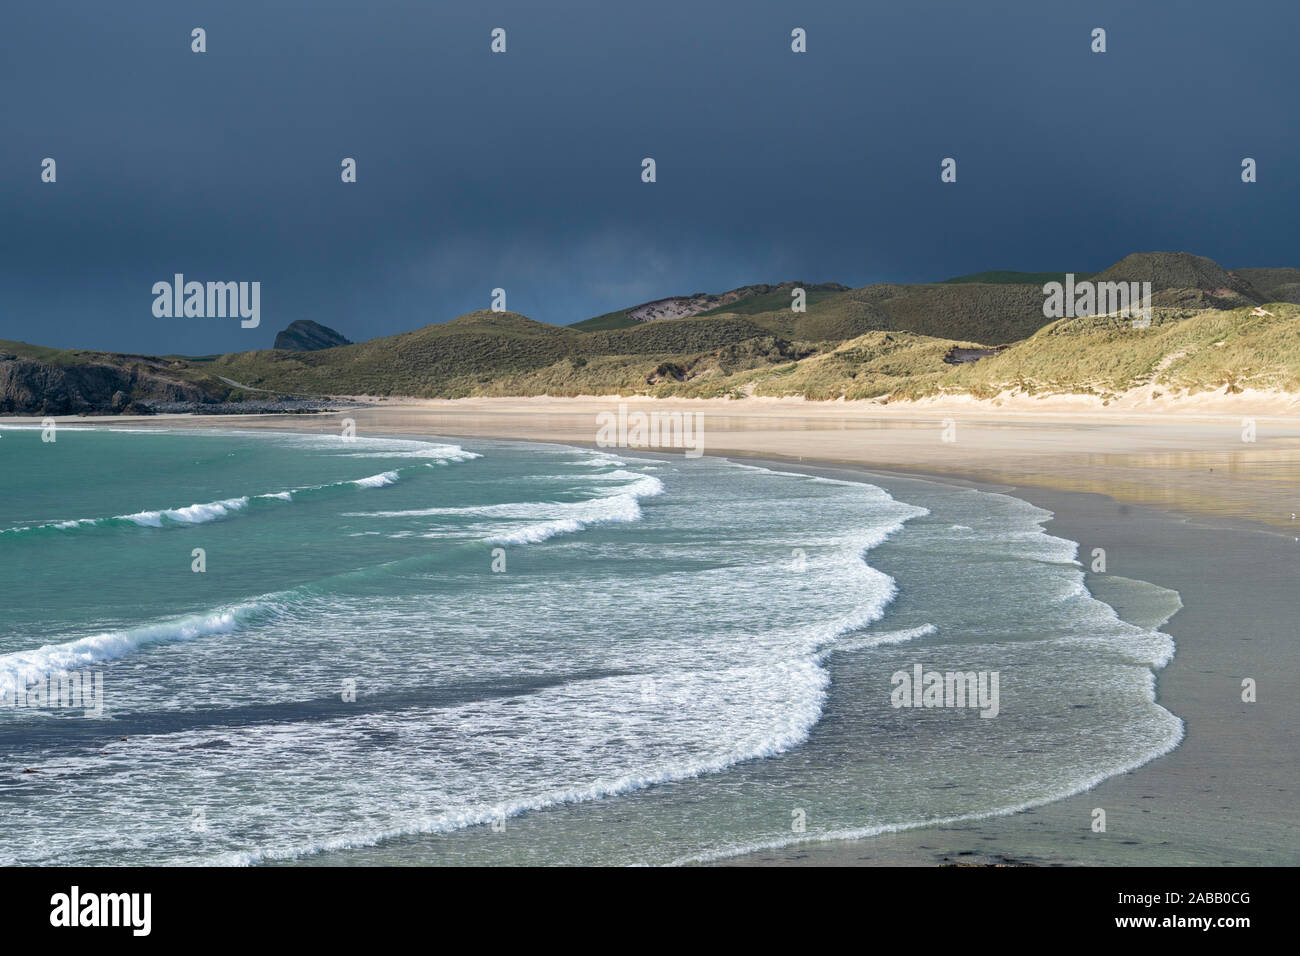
[31,387]
[305,335]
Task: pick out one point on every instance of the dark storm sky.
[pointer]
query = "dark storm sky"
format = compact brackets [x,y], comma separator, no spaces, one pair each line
[522,170]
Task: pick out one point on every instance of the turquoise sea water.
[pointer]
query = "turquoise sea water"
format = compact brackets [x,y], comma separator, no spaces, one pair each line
[422,651]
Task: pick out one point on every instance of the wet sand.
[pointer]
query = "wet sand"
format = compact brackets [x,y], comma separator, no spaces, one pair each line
[1228,795]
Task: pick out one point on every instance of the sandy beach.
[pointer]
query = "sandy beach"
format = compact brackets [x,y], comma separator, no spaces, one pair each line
[1178,500]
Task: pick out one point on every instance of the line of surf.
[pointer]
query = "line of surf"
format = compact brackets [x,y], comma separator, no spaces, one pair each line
[620,504]
[205,511]
[29,666]
[808,670]
[24,668]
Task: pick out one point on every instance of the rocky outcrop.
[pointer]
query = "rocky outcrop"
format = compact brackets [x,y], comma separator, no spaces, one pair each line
[32,387]
[680,306]
[305,335]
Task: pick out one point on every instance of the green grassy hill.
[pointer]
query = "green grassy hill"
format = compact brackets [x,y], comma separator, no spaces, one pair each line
[987,313]
[453,358]
[1273,285]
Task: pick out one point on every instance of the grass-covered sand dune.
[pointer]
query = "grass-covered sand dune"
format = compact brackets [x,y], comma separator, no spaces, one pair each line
[1105,357]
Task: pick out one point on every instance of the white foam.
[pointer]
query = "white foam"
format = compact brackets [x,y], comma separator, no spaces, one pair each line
[537,533]
[440,453]
[359,446]
[192,514]
[876,640]
[622,508]
[800,687]
[377,481]
[22,668]
[203,512]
